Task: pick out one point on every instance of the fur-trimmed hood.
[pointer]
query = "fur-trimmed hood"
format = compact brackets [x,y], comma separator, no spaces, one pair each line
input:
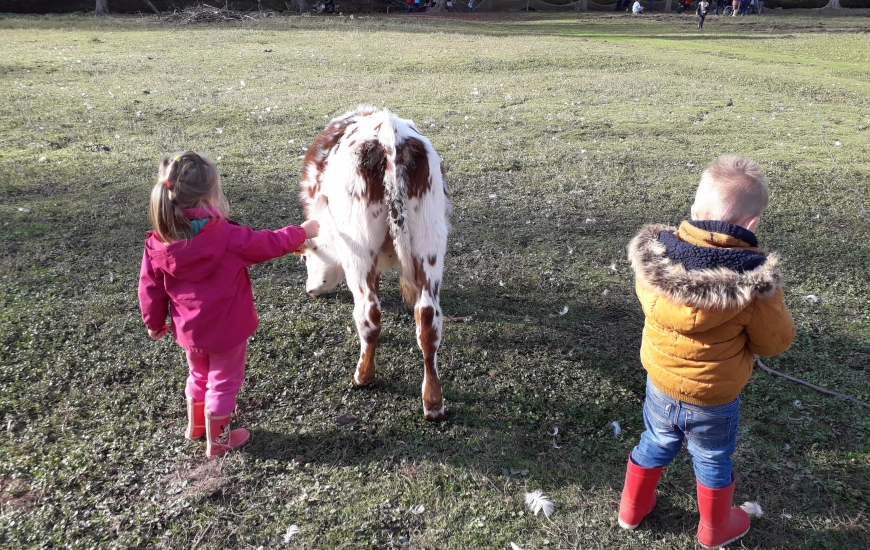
[718,288]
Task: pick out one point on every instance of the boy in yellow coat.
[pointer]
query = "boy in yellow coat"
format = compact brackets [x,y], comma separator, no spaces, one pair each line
[712,300]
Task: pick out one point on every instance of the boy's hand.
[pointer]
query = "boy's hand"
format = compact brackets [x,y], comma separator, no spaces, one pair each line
[311,227]
[158,334]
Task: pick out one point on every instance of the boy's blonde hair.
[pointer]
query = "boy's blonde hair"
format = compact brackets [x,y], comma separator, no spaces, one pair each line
[185,180]
[732,189]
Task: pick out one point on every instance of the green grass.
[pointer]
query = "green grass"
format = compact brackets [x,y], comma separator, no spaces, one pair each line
[563,134]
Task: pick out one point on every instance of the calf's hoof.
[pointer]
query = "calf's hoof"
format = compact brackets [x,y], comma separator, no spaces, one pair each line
[362,383]
[435,415]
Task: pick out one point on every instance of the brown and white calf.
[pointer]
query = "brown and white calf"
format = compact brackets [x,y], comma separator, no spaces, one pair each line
[374,183]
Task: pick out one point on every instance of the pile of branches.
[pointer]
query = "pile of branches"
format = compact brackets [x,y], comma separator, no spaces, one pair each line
[204,13]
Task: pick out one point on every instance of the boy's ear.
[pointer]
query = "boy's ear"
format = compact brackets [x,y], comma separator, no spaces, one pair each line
[752,223]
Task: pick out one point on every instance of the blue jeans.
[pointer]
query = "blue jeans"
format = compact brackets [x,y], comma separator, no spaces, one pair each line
[711,433]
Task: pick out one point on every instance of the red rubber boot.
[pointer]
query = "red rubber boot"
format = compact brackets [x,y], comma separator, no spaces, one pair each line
[720,523]
[638,495]
[195,419]
[219,437]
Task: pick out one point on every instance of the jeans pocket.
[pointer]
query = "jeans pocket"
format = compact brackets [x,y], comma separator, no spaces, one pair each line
[708,431]
[657,416]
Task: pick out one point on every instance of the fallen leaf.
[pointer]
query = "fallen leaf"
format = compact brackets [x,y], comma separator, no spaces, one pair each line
[345,419]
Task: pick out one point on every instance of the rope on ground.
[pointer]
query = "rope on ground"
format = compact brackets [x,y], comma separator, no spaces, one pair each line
[770,371]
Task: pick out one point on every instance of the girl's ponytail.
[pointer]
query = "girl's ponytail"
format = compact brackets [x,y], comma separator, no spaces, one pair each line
[185,181]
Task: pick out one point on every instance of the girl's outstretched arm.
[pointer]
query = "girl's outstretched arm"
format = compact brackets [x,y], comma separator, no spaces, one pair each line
[261,246]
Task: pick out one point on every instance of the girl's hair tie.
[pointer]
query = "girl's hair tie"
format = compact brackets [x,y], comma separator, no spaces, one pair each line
[167,184]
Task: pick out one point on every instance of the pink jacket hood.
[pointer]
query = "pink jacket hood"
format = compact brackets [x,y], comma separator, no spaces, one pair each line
[185,261]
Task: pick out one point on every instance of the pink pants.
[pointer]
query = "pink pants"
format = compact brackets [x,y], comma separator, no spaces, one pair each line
[216,378]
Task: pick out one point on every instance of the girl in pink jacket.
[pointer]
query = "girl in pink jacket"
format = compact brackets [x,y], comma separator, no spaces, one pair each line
[195,270]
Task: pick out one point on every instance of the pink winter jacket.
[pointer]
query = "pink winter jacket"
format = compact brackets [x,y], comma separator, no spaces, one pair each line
[206,280]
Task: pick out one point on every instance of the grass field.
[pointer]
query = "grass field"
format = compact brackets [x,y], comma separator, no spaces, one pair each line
[563,134]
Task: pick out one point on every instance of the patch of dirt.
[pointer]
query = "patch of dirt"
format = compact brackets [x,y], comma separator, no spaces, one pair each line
[16,493]
[830,98]
[205,479]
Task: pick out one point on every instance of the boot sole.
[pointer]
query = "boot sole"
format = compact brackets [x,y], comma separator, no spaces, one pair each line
[628,526]
[726,543]
[237,447]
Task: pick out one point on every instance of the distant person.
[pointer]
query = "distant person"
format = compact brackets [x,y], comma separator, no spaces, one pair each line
[637,8]
[703,6]
[470,6]
[720,7]
[416,5]
[744,8]
[650,6]
[449,5]
[712,300]
[735,8]
[410,5]
[760,7]
[195,271]
[619,6]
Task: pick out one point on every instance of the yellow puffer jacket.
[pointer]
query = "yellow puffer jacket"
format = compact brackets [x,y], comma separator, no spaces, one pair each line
[705,319]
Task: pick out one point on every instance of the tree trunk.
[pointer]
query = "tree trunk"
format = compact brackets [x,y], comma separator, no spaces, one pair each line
[833,5]
[102,7]
[668,6]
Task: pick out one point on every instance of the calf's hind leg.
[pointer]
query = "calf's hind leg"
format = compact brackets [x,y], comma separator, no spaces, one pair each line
[367,315]
[427,314]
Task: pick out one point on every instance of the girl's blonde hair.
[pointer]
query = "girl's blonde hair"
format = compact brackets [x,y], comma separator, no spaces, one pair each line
[185,180]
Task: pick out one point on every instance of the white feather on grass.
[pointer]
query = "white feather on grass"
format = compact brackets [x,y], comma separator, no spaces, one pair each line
[537,501]
[514,546]
[752,508]
[555,432]
[617,429]
[291,531]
